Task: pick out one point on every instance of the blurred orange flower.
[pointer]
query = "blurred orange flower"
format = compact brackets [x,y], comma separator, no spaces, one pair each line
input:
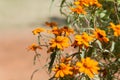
[78,10]
[87,3]
[86,39]
[88,66]
[62,70]
[100,35]
[55,30]
[66,31]
[38,30]
[51,24]
[65,60]
[59,42]
[83,39]
[116,29]
[33,47]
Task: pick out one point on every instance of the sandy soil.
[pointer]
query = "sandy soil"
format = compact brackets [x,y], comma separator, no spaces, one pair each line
[16,61]
[17,19]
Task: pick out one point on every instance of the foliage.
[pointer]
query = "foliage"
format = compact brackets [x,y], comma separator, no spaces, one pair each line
[93,32]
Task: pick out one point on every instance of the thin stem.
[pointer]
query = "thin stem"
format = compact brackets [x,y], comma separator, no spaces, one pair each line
[70,39]
[37,57]
[39,38]
[116,10]
[44,41]
[94,21]
[87,21]
[73,54]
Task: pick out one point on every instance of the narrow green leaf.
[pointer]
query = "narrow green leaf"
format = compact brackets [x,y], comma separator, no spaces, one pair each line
[63,1]
[99,44]
[52,59]
[112,46]
[90,51]
[118,1]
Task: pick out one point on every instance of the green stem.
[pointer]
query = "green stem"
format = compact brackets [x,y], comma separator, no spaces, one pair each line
[39,38]
[116,10]
[87,21]
[37,55]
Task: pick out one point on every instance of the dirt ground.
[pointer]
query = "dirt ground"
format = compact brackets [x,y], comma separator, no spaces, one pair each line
[16,61]
[17,19]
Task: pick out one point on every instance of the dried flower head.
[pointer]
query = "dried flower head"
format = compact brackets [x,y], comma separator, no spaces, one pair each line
[66,31]
[51,24]
[33,47]
[56,31]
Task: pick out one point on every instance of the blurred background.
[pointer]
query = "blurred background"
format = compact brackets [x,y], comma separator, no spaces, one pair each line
[17,19]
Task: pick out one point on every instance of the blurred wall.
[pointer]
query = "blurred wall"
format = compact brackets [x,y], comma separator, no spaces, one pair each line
[23,13]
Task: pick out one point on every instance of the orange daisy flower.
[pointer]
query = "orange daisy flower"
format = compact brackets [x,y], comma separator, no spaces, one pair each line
[87,3]
[59,42]
[100,35]
[86,39]
[88,66]
[83,39]
[78,10]
[62,70]
[38,30]
[116,29]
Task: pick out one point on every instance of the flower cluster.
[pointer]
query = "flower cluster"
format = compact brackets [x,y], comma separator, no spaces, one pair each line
[62,31]
[68,64]
[92,41]
[80,5]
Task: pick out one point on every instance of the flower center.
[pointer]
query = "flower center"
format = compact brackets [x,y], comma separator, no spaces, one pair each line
[100,35]
[85,65]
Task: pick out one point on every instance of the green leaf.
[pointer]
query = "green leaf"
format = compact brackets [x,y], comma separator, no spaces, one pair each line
[109,0]
[102,14]
[62,2]
[112,46]
[99,44]
[90,51]
[118,1]
[61,6]
[82,53]
[52,59]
